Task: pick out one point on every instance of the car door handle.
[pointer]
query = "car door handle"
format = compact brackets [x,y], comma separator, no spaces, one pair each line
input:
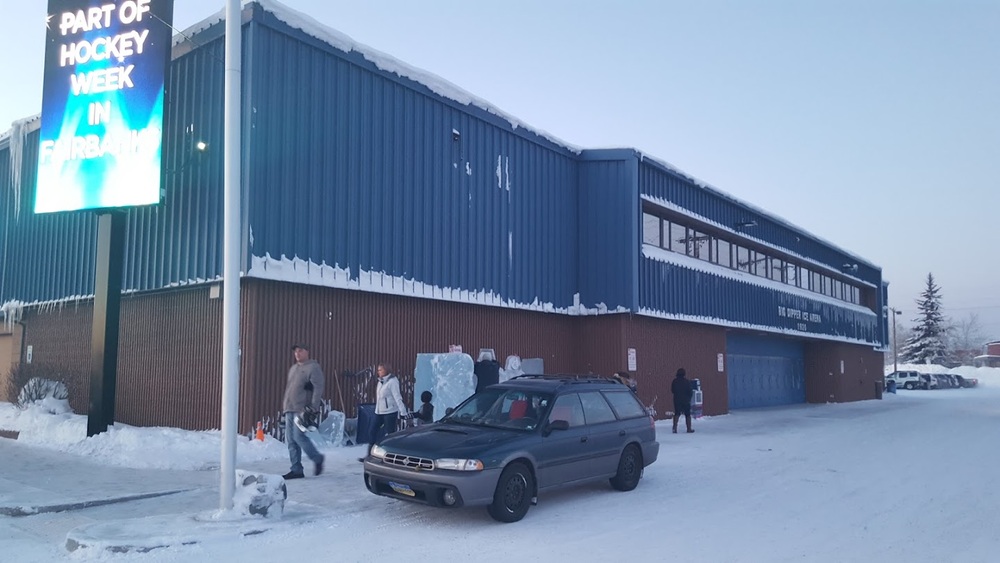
[621,433]
[583,439]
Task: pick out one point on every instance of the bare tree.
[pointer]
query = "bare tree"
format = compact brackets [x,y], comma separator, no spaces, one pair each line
[967,338]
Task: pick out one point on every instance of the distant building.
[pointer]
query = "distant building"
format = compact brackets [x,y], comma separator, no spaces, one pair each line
[990,357]
[387,213]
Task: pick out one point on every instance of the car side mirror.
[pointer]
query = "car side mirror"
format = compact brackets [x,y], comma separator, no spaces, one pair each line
[556,425]
[448,411]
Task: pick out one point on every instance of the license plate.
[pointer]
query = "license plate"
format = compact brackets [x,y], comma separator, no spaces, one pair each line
[402,489]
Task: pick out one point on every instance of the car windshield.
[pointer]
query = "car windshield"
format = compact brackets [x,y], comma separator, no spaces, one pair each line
[502,408]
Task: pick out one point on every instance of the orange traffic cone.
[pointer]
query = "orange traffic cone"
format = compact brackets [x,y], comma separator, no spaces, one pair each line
[260,431]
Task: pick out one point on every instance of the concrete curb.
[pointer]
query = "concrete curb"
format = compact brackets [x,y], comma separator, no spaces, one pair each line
[133,536]
[31,510]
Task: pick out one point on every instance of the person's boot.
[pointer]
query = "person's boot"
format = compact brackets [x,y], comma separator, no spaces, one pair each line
[319,465]
[293,475]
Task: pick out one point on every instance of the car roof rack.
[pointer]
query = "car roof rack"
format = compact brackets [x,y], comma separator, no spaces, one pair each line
[565,378]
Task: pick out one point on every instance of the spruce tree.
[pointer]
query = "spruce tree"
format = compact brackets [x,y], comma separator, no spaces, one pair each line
[927,343]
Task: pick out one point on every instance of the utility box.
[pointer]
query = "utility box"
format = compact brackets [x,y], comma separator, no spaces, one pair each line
[696,398]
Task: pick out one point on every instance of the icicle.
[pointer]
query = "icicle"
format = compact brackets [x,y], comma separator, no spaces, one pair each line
[18,135]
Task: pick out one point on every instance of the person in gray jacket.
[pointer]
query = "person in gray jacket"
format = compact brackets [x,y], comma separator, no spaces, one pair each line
[304,391]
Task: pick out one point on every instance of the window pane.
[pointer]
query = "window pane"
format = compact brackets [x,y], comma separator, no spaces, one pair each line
[697,244]
[678,238]
[625,404]
[568,408]
[595,408]
[743,263]
[791,274]
[777,269]
[650,229]
[817,282]
[759,263]
[723,256]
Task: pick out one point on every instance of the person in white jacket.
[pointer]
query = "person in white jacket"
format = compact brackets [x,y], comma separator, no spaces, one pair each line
[389,405]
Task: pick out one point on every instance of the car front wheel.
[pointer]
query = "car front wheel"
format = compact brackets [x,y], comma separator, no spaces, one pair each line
[629,469]
[513,495]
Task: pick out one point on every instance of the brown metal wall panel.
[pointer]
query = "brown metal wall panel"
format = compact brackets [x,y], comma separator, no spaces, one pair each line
[862,372]
[169,367]
[59,337]
[170,360]
[663,346]
[169,356]
[349,331]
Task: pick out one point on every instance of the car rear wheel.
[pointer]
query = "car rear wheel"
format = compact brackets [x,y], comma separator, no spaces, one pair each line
[909,385]
[513,495]
[629,469]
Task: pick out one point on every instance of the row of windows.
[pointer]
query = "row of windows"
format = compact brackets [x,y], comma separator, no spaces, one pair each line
[673,236]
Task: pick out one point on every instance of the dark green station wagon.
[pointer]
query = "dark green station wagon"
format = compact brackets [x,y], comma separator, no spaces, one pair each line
[506,444]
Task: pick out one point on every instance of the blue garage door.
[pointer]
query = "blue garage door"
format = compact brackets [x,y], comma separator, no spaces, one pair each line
[764,372]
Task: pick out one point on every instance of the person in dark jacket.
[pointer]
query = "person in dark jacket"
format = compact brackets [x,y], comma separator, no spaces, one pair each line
[681,388]
[425,415]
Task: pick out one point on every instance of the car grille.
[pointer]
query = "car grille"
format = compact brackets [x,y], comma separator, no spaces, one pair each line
[410,462]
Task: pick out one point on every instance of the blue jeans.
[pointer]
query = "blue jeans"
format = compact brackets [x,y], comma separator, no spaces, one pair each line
[385,424]
[297,443]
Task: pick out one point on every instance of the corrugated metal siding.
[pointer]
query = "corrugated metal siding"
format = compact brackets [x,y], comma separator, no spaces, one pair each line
[764,371]
[657,181]
[671,289]
[46,256]
[839,373]
[60,341]
[360,169]
[51,256]
[609,221]
[662,347]
[170,360]
[349,331]
[169,356]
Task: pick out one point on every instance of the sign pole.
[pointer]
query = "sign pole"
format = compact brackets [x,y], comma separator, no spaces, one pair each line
[104,327]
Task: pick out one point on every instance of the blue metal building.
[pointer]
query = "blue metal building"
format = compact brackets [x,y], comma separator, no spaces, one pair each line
[364,176]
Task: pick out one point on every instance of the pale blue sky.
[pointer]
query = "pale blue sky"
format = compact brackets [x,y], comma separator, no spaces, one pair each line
[873,124]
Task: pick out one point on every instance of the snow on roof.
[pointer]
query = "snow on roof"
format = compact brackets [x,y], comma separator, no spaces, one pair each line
[382,61]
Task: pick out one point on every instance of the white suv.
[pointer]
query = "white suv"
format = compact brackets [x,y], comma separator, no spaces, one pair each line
[906,379]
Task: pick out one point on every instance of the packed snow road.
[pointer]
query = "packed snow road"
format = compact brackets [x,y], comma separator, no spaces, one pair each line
[907,478]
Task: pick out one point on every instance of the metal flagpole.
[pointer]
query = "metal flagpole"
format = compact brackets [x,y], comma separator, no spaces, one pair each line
[231,253]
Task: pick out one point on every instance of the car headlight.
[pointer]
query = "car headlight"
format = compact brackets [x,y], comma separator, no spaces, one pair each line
[378,451]
[458,464]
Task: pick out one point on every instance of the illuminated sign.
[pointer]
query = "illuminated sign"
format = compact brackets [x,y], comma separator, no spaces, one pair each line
[102,104]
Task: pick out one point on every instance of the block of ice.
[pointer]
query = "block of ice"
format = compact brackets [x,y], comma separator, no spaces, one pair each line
[511,369]
[449,377]
[533,366]
[331,430]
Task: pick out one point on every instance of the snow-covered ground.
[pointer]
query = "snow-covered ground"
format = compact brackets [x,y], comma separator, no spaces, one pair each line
[907,478]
